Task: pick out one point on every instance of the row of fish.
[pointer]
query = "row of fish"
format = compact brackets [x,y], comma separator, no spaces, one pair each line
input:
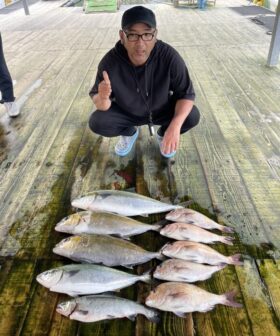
[105,223]
[92,244]
[112,251]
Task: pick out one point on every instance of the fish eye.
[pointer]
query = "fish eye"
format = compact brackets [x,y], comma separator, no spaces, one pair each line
[66,240]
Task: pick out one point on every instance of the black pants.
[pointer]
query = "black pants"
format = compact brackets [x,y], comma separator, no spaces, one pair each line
[115,122]
[6,83]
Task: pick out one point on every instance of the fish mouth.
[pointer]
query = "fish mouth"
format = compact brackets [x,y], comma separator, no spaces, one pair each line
[41,281]
[56,250]
[75,203]
[148,301]
[62,227]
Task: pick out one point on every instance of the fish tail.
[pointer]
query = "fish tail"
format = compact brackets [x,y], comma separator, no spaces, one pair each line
[160,256]
[146,277]
[227,240]
[153,316]
[229,300]
[226,229]
[157,226]
[235,259]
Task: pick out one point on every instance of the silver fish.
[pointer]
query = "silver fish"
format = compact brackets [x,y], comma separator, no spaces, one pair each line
[182,298]
[122,202]
[103,223]
[190,216]
[186,271]
[182,231]
[198,253]
[94,308]
[81,279]
[106,250]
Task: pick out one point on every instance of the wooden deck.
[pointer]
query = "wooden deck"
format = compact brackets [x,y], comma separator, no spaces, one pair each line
[229,165]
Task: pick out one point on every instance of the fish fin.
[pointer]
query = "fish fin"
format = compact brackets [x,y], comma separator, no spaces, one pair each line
[181,314]
[177,295]
[128,266]
[120,236]
[146,276]
[131,317]
[235,259]
[72,273]
[158,225]
[82,312]
[155,317]
[188,221]
[229,299]
[207,309]
[160,256]
[72,294]
[226,229]
[110,293]
[227,240]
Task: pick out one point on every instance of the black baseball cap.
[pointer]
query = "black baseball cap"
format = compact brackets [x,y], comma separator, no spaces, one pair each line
[138,14]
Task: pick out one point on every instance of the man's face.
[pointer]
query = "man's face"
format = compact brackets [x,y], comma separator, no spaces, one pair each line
[138,51]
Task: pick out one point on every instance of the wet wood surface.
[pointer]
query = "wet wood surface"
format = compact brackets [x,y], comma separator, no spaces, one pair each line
[229,165]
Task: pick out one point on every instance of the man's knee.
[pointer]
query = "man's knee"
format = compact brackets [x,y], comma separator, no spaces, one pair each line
[101,123]
[194,117]
[192,120]
[93,123]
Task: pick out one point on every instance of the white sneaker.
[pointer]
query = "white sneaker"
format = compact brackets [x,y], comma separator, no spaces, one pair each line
[12,109]
[125,144]
[168,156]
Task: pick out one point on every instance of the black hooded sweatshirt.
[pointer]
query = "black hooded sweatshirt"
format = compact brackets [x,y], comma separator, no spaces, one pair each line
[149,91]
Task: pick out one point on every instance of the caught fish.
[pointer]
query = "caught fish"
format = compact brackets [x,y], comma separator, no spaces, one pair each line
[182,231]
[103,223]
[106,250]
[198,253]
[190,216]
[182,298]
[182,270]
[94,308]
[81,279]
[122,202]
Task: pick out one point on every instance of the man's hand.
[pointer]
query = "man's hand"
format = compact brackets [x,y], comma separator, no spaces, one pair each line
[104,87]
[102,99]
[171,139]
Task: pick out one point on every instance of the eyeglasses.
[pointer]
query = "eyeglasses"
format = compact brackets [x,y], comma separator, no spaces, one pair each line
[132,37]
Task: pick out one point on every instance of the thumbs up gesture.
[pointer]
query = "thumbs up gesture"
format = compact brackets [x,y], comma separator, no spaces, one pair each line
[102,99]
[104,87]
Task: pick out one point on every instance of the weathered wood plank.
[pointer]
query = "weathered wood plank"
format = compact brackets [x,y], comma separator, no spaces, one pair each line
[256,300]
[34,153]
[15,295]
[270,274]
